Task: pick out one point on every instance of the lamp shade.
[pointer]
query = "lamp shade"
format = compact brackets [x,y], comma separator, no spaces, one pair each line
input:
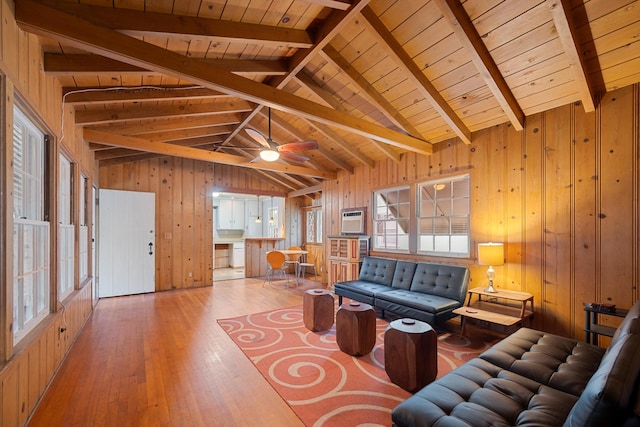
[490,253]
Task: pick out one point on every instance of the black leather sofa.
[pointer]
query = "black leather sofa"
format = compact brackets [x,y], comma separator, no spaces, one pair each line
[419,290]
[532,378]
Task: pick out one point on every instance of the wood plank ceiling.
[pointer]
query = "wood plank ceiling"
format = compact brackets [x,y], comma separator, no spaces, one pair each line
[368,79]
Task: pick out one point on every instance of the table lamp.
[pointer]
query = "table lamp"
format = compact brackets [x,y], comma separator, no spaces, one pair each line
[490,254]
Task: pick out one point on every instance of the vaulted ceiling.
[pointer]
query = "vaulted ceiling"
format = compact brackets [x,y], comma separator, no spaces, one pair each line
[369,79]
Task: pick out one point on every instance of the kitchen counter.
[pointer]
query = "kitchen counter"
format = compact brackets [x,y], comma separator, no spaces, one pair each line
[256,249]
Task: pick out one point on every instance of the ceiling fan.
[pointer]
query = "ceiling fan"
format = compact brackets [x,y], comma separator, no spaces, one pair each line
[272,150]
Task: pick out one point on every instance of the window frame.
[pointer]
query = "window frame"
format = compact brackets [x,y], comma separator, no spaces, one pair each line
[382,228]
[313,225]
[457,214]
[31,227]
[66,231]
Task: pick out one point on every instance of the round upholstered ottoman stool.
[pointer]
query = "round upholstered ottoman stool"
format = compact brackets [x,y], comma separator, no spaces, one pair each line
[410,353]
[317,309]
[356,328]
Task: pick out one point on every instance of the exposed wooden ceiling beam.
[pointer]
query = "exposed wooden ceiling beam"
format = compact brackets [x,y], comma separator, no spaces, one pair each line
[142,23]
[56,64]
[170,124]
[101,96]
[175,135]
[346,146]
[305,191]
[335,103]
[123,141]
[415,73]
[334,4]
[368,91]
[560,10]
[94,117]
[49,22]
[467,34]
[329,29]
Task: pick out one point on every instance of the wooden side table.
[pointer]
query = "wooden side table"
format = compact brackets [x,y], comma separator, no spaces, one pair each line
[410,353]
[503,311]
[356,328]
[317,309]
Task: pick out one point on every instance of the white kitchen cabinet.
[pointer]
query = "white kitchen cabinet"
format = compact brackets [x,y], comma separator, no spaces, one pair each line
[231,215]
[237,259]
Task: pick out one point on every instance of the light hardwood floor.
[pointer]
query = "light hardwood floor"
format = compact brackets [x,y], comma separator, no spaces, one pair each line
[161,359]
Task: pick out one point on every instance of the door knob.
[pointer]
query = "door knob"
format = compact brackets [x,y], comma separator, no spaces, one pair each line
[150,248]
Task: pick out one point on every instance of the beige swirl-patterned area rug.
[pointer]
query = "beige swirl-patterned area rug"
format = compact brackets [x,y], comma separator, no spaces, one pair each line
[324,386]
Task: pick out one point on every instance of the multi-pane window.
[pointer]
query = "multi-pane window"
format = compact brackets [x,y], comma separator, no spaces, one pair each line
[443,217]
[314,226]
[66,241]
[30,229]
[392,211]
[84,229]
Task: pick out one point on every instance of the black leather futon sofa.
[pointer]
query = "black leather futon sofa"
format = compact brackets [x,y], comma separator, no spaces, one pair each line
[532,378]
[418,290]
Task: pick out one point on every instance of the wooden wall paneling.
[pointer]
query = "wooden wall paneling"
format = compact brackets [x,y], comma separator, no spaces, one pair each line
[558,260]
[618,169]
[203,225]
[35,378]
[6,233]
[179,220]
[10,396]
[514,212]
[585,214]
[164,213]
[188,225]
[22,40]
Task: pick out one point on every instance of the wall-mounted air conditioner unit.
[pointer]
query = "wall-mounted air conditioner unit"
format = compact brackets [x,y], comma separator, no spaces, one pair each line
[354,221]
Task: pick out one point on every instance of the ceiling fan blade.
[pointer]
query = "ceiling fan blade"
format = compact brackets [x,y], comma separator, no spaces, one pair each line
[299,146]
[293,157]
[258,137]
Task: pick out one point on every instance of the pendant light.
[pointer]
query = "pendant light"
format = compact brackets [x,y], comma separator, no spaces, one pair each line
[271,221]
[258,219]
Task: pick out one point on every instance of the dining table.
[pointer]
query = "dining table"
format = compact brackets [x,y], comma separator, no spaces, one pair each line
[294,252]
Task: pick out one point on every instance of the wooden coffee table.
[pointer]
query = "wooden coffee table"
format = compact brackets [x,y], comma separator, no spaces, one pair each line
[410,353]
[318,309]
[356,328]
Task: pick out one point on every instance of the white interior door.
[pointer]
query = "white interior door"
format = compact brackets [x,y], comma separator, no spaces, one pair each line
[126,242]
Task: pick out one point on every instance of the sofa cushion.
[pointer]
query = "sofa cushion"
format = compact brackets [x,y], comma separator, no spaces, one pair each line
[559,362]
[377,270]
[610,396]
[424,302]
[360,290]
[481,394]
[447,281]
[403,275]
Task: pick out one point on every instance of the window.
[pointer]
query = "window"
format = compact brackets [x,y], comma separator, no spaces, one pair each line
[66,241]
[84,229]
[443,217]
[30,230]
[313,223]
[392,210]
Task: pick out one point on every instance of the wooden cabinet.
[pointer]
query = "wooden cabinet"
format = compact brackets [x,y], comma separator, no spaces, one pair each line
[231,215]
[345,257]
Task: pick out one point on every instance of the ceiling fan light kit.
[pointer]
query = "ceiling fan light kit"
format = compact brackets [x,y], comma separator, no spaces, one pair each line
[271,150]
[269,155]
